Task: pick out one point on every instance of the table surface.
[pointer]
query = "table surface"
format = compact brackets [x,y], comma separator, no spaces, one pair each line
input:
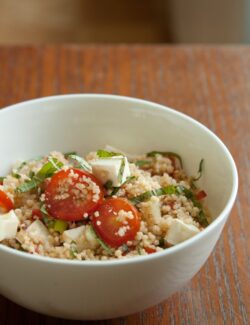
[211,84]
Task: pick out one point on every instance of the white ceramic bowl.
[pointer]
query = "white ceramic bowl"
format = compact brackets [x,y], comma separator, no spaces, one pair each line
[107,289]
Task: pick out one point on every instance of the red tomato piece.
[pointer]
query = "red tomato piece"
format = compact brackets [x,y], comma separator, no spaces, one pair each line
[73,193]
[36,214]
[5,202]
[150,250]
[116,221]
[201,195]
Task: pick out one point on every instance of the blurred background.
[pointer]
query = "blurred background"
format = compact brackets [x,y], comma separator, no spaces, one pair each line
[124,21]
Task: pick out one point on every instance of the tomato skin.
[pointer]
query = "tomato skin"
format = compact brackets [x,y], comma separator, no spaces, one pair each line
[72,207]
[201,195]
[5,202]
[36,214]
[150,250]
[107,226]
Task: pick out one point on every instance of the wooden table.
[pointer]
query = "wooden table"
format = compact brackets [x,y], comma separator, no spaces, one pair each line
[212,84]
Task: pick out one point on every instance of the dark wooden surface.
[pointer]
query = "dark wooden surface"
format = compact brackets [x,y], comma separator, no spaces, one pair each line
[212,84]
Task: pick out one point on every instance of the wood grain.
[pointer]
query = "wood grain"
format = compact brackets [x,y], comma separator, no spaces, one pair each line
[211,84]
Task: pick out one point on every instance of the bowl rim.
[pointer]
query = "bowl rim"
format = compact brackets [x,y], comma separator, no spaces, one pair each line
[145,258]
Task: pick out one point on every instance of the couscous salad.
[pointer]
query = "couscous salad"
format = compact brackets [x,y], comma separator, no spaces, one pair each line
[108,205]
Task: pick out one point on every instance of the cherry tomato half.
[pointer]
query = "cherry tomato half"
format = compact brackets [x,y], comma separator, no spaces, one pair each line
[72,193]
[5,202]
[116,221]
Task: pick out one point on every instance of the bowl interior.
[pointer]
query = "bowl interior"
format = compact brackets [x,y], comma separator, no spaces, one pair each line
[85,123]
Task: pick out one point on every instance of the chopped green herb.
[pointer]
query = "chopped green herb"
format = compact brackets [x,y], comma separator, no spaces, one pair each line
[49,222]
[162,242]
[72,153]
[28,185]
[108,185]
[116,189]
[60,226]
[166,154]
[82,163]
[200,170]
[141,163]
[171,189]
[125,248]
[2,179]
[16,175]
[201,218]
[106,154]
[129,179]
[73,250]
[31,174]
[21,165]
[43,210]
[46,171]
[100,241]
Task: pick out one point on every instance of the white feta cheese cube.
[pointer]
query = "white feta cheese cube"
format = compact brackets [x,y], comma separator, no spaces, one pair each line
[73,234]
[109,169]
[180,231]
[38,232]
[91,238]
[152,211]
[82,236]
[8,225]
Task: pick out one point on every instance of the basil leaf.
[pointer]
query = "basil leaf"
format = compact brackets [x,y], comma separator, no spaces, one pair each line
[82,163]
[52,166]
[125,248]
[106,154]
[116,189]
[16,175]
[171,189]
[21,165]
[29,185]
[67,154]
[43,210]
[31,174]
[73,250]
[2,179]
[166,154]
[46,171]
[201,218]
[108,185]
[141,163]
[162,242]
[200,170]
[100,241]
